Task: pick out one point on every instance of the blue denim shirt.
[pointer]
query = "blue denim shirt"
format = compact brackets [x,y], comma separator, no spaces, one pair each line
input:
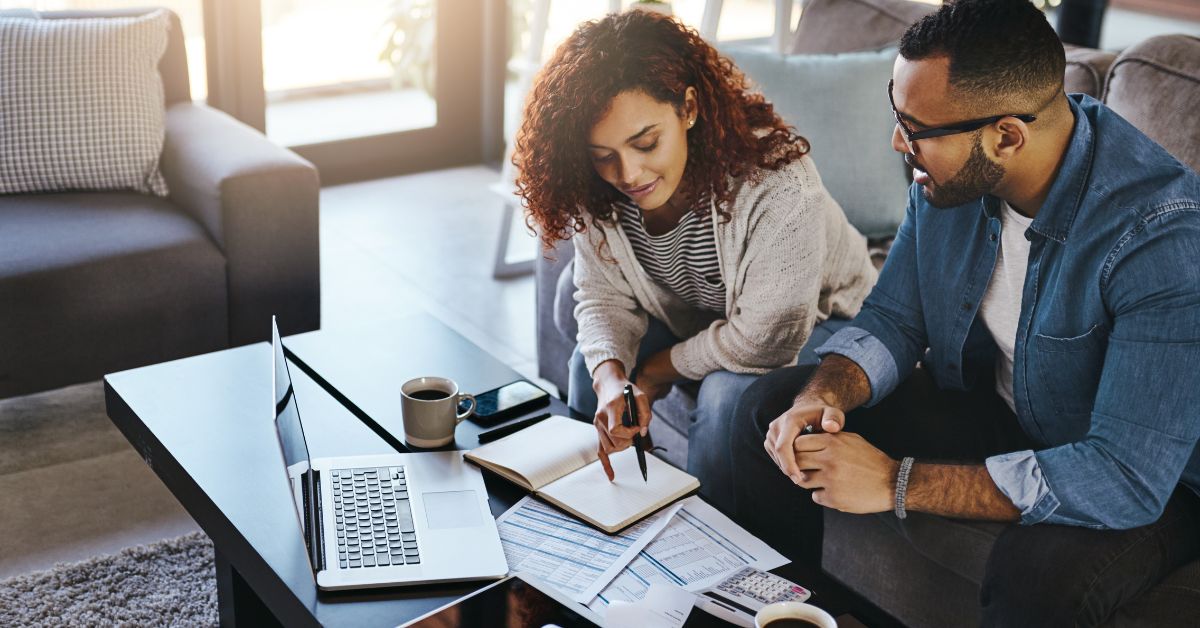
[1106,373]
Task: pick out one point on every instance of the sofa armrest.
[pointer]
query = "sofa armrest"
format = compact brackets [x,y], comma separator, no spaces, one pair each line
[259,203]
[553,347]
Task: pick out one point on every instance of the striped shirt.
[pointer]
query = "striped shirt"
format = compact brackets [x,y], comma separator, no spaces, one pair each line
[682,260]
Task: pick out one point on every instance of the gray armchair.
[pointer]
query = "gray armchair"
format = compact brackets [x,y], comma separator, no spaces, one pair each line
[96,282]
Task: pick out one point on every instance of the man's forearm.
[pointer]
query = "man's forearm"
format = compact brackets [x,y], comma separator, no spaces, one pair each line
[839,382]
[960,491]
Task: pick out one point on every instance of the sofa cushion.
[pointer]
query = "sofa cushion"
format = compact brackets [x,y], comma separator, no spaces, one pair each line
[828,26]
[82,104]
[173,67]
[840,104]
[122,278]
[1086,70]
[1155,85]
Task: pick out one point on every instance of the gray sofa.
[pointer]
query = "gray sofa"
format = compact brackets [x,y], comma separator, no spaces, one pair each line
[95,282]
[926,572]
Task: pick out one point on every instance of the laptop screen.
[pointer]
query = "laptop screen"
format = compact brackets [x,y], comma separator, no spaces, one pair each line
[292,443]
[287,415]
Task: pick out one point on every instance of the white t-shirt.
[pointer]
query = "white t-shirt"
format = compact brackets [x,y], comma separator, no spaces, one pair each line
[1001,306]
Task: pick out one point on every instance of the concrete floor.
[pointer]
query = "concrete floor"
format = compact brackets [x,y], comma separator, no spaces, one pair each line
[74,488]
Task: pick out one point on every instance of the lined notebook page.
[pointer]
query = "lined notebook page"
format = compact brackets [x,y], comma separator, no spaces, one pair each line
[542,452]
[611,506]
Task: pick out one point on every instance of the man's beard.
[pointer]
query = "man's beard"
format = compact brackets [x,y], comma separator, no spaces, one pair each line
[977,177]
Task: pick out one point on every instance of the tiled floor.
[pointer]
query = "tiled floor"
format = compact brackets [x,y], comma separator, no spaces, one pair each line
[426,241]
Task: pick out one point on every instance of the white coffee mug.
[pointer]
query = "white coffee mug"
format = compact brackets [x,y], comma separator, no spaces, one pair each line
[793,610]
[429,407]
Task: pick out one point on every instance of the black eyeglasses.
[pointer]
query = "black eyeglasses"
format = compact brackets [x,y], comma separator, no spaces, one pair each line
[911,136]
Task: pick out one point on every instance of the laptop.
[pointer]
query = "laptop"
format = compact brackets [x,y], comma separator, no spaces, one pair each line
[380,521]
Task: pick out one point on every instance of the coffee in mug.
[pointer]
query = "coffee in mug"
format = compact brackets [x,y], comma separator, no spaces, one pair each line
[429,408]
[792,615]
[429,395]
[789,622]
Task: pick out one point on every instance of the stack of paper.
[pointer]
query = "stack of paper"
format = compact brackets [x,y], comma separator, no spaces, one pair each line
[567,553]
[689,545]
[697,549]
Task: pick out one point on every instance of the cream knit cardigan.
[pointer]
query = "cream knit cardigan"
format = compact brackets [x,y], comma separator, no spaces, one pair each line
[789,259]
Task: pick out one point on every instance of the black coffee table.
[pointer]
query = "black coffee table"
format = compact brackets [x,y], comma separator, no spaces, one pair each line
[203,424]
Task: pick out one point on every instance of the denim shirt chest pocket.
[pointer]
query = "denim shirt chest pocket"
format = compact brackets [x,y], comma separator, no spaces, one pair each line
[1067,370]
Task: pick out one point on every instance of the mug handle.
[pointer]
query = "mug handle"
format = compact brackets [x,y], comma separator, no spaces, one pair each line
[459,416]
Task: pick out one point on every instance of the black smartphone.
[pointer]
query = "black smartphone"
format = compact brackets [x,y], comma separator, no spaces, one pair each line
[508,401]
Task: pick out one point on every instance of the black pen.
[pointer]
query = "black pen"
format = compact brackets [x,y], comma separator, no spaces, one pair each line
[630,419]
[510,428]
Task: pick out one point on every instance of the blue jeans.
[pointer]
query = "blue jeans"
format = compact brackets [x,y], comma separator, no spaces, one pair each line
[709,431]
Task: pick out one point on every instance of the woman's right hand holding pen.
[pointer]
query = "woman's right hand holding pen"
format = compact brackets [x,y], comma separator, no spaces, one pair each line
[609,382]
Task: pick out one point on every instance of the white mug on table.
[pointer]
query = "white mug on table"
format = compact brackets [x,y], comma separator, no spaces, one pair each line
[429,408]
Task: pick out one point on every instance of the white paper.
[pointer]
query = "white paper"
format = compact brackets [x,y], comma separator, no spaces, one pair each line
[697,549]
[611,505]
[567,553]
[665,606]
[525,452]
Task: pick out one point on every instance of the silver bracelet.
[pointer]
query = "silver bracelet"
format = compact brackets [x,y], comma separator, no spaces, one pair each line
[902,486]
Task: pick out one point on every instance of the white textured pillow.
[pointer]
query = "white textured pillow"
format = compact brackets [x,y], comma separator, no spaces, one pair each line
[81,104]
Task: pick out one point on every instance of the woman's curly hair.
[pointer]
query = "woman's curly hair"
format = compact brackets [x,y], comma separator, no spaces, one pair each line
[736,134]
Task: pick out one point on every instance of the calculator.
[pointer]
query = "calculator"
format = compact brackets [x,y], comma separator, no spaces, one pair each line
[737,598]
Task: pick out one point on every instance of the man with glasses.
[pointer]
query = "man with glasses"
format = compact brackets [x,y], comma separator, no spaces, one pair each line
[1045,280]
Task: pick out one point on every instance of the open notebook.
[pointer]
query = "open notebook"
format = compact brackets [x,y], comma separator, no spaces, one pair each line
[556,459]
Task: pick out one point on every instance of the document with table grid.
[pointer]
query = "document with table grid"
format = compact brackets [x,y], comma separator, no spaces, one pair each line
[698,548]
[567,553]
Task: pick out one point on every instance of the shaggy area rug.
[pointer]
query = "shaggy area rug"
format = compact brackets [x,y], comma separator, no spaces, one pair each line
[169,583]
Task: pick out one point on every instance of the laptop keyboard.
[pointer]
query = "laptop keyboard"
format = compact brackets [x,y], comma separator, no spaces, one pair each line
[374,518]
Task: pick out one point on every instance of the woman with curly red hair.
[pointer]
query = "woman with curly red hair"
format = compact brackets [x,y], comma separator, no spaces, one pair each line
[706,247]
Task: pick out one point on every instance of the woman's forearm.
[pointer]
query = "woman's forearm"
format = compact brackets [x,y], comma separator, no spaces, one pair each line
[606,372]
[659,369]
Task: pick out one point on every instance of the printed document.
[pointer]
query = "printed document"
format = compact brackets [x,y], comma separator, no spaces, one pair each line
[665,606]
[567,553]
[697,549]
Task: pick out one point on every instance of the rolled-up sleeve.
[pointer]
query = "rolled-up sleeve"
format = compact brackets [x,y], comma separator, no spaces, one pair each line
[1019,477]
[1143,430]
[871,355]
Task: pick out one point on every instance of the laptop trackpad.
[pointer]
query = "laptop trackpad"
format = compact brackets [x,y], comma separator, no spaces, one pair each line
[452,509]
